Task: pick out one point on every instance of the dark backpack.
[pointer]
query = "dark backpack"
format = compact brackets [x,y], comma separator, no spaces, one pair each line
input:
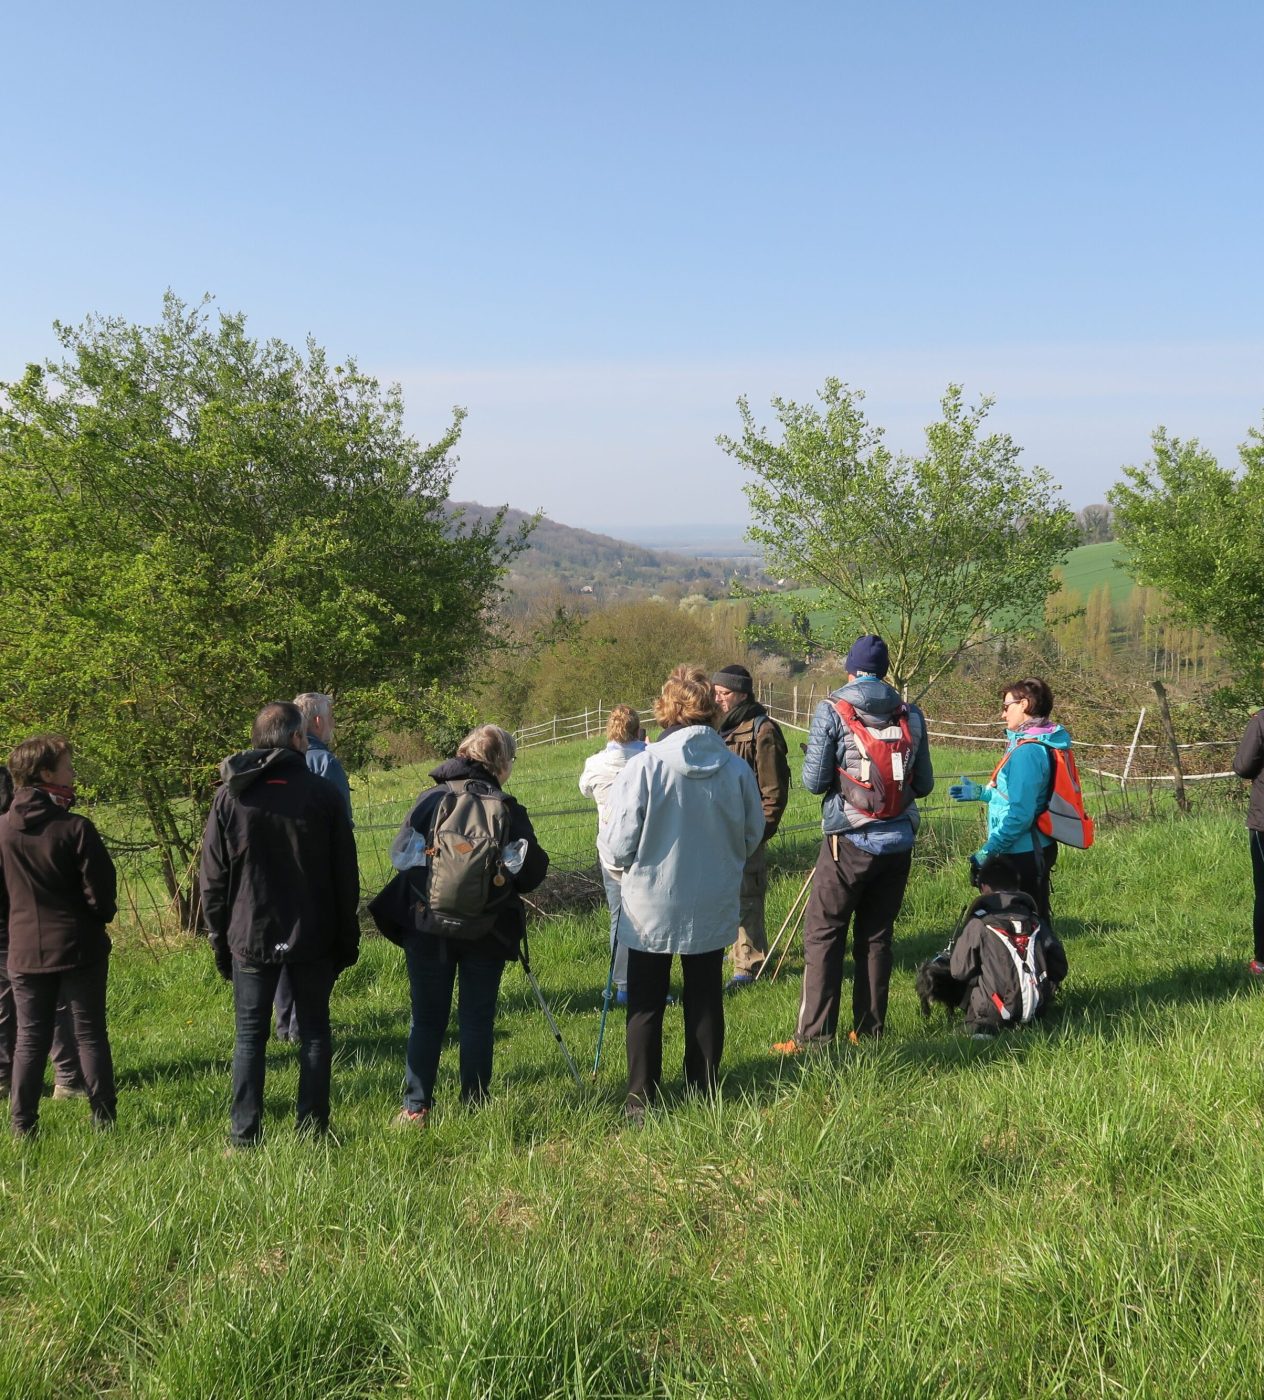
[1019,936]
[467,883]
[879,794]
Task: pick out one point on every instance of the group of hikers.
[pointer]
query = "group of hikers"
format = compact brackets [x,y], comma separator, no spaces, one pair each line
[684,825]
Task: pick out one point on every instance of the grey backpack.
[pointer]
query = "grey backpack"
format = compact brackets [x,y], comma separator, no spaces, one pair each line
[468,883]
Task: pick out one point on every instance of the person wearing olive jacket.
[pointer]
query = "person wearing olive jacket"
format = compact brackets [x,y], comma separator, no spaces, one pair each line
[749,731]
[58,892]
[1248,763]
[280,888]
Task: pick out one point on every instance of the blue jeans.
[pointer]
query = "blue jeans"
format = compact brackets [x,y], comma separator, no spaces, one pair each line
[614,899]
[286,1016]
[254,986]
[431,980]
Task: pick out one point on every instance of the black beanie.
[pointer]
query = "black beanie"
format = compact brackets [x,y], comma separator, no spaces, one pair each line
[735,678]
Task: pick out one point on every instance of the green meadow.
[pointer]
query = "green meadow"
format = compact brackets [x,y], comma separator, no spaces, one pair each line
[1073,1211]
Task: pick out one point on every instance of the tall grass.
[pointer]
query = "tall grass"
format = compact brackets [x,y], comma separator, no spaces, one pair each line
[1070,1212]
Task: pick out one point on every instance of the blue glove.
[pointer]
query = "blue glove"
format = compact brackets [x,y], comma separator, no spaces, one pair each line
[965,791]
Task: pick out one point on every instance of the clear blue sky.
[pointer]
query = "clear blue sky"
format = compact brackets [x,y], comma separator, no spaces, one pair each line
[595,225]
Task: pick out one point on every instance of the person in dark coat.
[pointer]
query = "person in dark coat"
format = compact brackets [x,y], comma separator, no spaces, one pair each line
[280,888]
[67,1078]
[1248,763]
[438,964]
[58,892]
[318,720]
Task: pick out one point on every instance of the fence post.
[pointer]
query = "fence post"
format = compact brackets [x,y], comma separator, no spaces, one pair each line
[1132,748]
[795,720]
[1165,715]
[555,729]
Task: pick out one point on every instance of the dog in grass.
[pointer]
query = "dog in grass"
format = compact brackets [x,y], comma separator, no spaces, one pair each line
[934,982]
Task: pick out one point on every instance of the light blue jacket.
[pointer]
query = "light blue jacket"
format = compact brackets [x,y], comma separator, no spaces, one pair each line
[681,819]
[1022,790]
[321,761]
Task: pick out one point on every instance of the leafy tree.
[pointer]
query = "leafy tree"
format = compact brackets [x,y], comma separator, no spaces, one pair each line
[936,552]
[1096,525]
[193,523]
[1195,530]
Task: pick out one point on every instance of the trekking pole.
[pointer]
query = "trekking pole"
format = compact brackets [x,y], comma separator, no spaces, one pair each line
[789,941]
[544,1006]
[768,956]
[605,996]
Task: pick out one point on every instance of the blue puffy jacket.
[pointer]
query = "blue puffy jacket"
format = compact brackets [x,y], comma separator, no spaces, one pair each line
[831,746]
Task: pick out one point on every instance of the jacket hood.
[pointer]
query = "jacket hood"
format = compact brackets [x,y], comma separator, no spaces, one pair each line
[31,809]
[873,698]
[241,770]
[629,747]
[1052,735]
[1004,902]
[695,751]
[455,770]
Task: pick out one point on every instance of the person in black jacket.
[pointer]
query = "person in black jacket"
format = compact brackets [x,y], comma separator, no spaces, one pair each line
[1248,763]
[67,1076]
[435,963]
[280,888]
[57,894]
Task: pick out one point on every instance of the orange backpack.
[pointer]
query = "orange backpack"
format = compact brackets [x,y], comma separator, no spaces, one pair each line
[1064,818]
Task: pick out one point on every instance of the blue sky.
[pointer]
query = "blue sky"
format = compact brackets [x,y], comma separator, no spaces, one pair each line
[595,226]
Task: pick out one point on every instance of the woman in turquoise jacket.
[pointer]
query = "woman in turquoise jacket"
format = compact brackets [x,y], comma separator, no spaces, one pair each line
[1020,789]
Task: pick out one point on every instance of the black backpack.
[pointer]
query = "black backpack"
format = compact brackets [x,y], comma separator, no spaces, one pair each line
[467,883]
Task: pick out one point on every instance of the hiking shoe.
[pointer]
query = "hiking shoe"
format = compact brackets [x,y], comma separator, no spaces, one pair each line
[738,981]
[1255,968]
[69,1091]
[413,1117]
[789,1047]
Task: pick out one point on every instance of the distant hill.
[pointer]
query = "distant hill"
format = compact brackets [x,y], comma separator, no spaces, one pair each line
[582,559]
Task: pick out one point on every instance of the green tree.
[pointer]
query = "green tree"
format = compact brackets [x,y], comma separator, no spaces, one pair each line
[1195,530]
[193,523]
[936,552]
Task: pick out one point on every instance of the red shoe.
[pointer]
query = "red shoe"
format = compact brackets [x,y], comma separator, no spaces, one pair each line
[413,1118]
[1255,968]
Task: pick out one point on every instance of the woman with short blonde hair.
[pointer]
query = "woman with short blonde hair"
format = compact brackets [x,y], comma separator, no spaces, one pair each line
[687,697]
[682,820]
[495,748]
[624,725]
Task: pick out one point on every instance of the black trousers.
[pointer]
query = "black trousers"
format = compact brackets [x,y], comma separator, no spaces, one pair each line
[1034,877]
[65,1052]
[36,996]
[1257,874]
[867,889]
[254,987]
[649,977]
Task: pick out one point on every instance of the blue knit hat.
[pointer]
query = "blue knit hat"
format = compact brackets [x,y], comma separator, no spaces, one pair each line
[868,654]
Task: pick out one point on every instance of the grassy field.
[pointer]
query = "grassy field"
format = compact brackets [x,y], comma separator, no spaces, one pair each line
[1073,1212]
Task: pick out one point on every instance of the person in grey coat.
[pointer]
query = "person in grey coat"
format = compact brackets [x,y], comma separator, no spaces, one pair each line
[681,821]
[867,852]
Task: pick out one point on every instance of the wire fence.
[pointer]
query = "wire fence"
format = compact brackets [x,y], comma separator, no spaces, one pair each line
[1126,778]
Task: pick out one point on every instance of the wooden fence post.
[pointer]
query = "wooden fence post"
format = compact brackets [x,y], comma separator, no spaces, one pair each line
[1165,715]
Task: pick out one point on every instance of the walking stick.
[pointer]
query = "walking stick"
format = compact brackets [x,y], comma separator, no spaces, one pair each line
[768,956]
[789,941]
[524,959]
[605,996]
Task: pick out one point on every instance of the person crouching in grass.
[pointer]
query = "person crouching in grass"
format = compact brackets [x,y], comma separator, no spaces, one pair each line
[58,891]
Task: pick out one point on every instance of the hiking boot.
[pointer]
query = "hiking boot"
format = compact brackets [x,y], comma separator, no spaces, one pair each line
[413,1118]
[738,981]
[69,1091]
[1255,968]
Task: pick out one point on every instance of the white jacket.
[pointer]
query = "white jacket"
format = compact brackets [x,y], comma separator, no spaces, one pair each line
[602,769]
[681,819]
